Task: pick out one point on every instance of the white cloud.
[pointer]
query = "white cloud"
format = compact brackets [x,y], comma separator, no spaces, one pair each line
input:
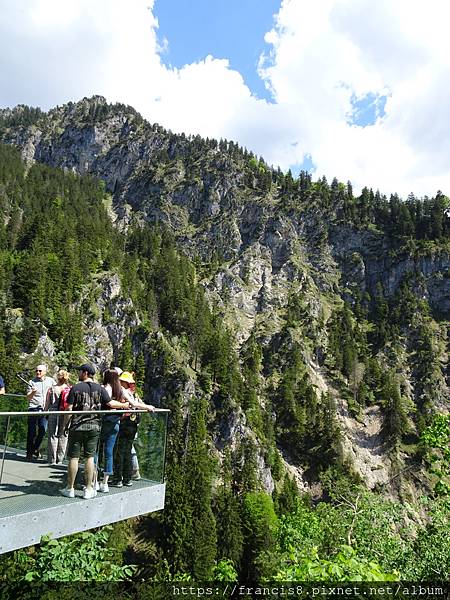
[53,51]
[321,55]
[325,51]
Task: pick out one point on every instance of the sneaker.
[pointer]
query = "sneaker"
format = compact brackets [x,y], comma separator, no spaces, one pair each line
[116,484]
[68,492]
[88,494]
[128,483]
[136,476]
[104,488]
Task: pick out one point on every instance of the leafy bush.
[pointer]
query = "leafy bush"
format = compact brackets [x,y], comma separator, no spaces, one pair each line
[346,565]
[80,557]
[435,439]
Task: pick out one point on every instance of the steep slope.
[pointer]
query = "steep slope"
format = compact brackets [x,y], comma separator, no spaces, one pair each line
[306,271]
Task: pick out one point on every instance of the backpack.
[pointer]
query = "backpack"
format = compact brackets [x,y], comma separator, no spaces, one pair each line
[63,398]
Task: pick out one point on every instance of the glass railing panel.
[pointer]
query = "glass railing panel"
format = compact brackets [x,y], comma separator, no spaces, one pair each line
[40,481]
[17,433]
[13,402]
[24,484]
[150,446]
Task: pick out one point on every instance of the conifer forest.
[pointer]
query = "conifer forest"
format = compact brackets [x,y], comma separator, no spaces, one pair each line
[298,332]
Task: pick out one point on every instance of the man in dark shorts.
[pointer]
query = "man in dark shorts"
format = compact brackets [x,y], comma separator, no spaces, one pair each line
[84,430]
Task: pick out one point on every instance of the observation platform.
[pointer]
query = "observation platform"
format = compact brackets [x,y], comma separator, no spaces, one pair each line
[31,504]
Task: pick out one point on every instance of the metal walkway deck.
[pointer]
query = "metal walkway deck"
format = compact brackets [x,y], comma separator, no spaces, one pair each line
[31,504]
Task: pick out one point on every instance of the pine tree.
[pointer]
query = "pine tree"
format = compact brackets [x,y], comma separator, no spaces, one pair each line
[396,421]
[260,524]
[126,359]
[177,515]
[287,499]
[380,317]
[246,467]
[228,517]
[202,541]
[139,370]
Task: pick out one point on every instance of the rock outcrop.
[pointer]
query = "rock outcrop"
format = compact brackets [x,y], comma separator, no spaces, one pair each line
[260,249]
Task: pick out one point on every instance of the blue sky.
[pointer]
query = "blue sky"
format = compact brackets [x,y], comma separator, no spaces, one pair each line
[359,90]
[367,109]
[190,30]
[231,29]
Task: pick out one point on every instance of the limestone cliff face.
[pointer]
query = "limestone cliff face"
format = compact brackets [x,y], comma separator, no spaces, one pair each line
[365,260]
[109,323]
[261,249]
[202,194]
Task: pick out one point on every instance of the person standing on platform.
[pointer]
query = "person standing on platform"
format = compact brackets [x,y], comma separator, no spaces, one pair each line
[37,424]
[135,475]
[110,425]
[2,385]
[84,430]
[57,437]
[123,461]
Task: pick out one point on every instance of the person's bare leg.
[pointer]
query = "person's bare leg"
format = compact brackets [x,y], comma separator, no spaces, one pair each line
[89,469]
[72,472]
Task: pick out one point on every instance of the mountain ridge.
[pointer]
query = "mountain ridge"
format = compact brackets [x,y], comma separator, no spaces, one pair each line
[279,257]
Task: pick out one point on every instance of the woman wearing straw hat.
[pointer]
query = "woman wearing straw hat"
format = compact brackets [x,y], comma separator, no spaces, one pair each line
[123,462]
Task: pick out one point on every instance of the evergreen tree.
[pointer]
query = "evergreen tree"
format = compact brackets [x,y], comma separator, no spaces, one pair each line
[202,541]
[286,500]
[245,467]
[396,421]
[177,515]
[260,523]
[125,359]
[228,517]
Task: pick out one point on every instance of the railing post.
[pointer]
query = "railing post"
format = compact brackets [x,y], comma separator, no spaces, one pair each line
[166,433]
[4,448]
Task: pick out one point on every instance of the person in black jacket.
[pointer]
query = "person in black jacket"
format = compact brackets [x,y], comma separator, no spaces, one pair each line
[84,430]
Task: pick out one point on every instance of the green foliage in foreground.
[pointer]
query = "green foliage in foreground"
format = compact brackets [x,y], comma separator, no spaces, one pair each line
[81,557]
[360,536]
[369,539]
[345,566]
[436,441]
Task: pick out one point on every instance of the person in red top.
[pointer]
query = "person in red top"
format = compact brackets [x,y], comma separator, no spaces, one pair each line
[57,437]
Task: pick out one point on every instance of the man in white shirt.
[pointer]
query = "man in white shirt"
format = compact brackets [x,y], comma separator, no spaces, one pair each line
[37,424]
